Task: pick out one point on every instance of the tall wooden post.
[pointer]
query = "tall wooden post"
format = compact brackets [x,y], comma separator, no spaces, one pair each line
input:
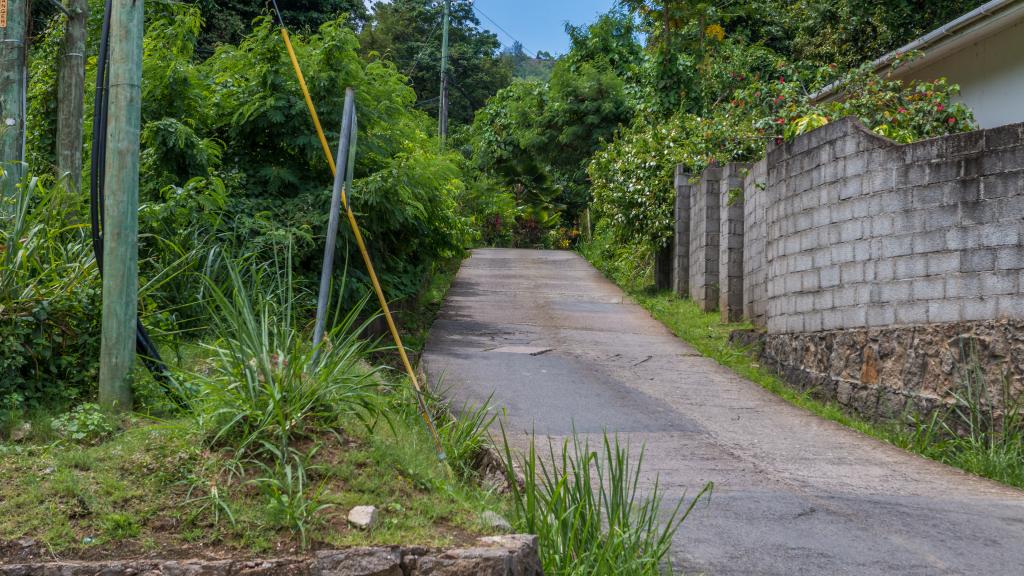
[70,95]
[13,22]
[121,219]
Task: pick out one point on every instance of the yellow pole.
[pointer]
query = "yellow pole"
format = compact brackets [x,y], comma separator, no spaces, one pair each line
[362,249]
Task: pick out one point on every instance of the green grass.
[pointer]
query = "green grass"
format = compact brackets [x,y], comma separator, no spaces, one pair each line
[154,483]
[279,441]
[995,452]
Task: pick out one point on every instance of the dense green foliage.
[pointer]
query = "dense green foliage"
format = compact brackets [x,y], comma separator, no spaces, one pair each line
[408,33]
[717,85]
[228,21]
[231,164]
[49,301]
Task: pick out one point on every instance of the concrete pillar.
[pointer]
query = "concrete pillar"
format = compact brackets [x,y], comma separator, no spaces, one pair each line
[730,261]
[681,243]
[704,239]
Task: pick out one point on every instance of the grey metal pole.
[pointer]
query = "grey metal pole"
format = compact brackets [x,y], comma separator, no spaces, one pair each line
[340,177]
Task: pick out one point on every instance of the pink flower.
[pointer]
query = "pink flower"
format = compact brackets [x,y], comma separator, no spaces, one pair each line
[780,120]
[940,107]
[951,120]
[902,110]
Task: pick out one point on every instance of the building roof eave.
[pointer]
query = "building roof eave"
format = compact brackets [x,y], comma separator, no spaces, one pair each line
[965,30]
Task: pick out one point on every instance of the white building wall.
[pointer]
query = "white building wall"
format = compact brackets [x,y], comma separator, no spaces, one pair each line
[990,73]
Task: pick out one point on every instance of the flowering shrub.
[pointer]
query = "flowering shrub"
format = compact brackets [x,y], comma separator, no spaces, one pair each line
[632,177]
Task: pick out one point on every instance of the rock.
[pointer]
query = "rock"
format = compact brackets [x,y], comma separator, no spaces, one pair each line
[21,432]
[359,562]
[495,521]
[363,517]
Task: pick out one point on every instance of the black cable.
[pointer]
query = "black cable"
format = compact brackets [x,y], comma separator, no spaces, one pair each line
[144,346]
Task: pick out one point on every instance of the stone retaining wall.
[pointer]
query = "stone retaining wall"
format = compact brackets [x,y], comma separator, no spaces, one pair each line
[514,555]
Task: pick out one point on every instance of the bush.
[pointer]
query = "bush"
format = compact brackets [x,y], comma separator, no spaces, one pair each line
[49,299]
[85,424]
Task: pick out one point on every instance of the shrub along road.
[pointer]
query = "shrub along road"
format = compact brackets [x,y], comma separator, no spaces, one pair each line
[559,346]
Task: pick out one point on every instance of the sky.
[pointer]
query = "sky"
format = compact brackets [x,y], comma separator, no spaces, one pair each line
[538,24]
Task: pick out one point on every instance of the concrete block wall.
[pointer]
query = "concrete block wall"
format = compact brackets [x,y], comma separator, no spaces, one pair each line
[705,238]
[862,232]
[681,240]
[730,260]
[755,236]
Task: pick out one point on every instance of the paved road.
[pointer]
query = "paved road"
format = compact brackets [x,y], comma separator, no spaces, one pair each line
[556,343]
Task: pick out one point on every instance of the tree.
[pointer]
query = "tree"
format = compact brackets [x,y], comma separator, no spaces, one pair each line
[408,33]
[228,21]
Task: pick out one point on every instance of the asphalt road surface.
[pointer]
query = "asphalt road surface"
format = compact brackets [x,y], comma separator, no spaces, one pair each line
[559,346]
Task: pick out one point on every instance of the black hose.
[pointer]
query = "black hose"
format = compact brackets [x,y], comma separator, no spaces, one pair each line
[144,346]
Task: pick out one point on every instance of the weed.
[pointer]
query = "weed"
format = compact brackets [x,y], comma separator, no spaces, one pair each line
[268,385]
[291,502]
[588,512]
[464,433]
[118,526]
[85,424]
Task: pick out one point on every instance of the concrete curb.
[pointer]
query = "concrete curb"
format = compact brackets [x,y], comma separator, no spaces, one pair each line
[510,555]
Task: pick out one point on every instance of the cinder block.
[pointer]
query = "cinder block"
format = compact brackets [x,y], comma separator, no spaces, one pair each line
[1002,185]
[910,267]
[851,272]
[977,260]
[943,263]
[912,313]
[931,288]
[996,283]
[979,309]
[1011,306]
[943,170]
[944,311]
[854,316]
[1010,258]
[1003,137]
[893,246]
[1004,160]
[880,315]
[926,242]
[896,291]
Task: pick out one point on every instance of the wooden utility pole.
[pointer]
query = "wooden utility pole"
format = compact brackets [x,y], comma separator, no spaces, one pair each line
[442,119]
[121,218]
[70,95]
[13,22]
